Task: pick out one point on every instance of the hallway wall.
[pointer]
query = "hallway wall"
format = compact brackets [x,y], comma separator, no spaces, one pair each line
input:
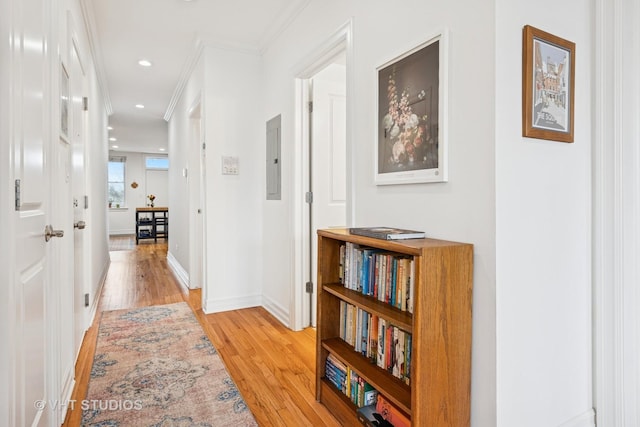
[543,236]
[227,84]
[530,292]
[462,209]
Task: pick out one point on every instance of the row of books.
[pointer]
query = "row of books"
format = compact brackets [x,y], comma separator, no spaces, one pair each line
[388,277]
[375,338]
[350,383]
[383,413]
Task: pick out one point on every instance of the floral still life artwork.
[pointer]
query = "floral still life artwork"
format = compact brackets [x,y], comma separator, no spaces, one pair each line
[152,199]
[408,117]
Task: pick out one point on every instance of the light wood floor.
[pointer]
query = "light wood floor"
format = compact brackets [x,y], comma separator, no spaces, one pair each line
[272,366]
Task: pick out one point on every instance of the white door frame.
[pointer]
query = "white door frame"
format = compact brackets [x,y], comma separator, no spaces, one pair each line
[616,243]
[197,203]
[340,41]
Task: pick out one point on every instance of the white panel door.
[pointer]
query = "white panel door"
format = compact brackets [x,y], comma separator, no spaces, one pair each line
[28,137]
[328,157]
[81,271]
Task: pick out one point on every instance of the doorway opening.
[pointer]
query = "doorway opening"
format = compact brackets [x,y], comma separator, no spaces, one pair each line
[196,180]
[323,188]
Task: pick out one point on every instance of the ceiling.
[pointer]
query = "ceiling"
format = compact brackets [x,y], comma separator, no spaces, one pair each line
[166,33]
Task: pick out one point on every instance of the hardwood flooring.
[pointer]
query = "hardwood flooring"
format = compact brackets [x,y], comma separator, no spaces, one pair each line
[273,367]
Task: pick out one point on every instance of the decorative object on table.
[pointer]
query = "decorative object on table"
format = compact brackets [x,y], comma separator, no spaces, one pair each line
[151,198]
[548,75]
[110,203]
[412,115]
[134,184]
[387,233]
[160,368]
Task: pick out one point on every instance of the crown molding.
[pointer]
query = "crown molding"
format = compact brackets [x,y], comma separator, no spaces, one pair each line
[88,16]
[185,74]
[287,15]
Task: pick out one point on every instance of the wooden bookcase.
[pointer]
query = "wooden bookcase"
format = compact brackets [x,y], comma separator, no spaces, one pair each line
[440,325]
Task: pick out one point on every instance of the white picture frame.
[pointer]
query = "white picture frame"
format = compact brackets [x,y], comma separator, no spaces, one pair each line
[411,123]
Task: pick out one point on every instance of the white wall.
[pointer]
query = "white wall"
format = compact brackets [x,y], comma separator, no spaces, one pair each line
[233,101]
[543,220]
[122,220]
[227,85]
[462,209]
[524,204]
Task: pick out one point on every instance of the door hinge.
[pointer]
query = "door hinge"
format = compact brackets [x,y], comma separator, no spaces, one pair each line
[308,197]
[311,106]
[86,300]
[86,202]
[204,145]
[309,287]
[17,194]
[85,103]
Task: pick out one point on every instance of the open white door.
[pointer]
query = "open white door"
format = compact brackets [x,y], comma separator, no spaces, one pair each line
[328,157]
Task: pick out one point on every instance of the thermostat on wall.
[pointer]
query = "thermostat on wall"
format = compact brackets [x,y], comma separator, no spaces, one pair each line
[229,165]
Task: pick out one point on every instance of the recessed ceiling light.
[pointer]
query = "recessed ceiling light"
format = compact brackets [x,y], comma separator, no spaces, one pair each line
[161,149]
[109,128]
[112,139]
[115,146]
[139,106]
[145,63]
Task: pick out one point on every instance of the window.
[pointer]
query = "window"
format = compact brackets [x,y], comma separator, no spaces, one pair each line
[116,181]
[160,163]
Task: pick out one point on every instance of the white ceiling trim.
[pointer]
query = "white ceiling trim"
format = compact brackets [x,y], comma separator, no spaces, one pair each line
[88,16]
[288,14]
[185,74]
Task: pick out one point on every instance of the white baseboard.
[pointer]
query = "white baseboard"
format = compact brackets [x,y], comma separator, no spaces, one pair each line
[123,232]
[96,297]
[67,392]
[276,310]
[178,270]
[216,305]
[587,419]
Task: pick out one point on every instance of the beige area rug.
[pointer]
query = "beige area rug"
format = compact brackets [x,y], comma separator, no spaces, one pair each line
[154,366]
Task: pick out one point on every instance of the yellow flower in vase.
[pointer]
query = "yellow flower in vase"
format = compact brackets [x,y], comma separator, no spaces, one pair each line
[151,198]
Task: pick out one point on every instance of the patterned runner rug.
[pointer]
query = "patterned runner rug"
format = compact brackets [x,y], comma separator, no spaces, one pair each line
[154,366]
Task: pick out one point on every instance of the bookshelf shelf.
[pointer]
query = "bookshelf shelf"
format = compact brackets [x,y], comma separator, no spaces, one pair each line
[398,392]
[440,329]
[399,318]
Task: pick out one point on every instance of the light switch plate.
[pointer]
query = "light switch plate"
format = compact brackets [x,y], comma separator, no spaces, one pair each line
[230,165]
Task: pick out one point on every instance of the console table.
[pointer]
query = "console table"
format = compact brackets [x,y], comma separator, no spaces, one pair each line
[152,223]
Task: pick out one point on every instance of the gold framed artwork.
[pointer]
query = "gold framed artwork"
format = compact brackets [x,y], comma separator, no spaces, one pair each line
[548,77]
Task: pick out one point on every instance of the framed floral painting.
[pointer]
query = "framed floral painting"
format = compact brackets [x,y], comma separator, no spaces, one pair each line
[412,145]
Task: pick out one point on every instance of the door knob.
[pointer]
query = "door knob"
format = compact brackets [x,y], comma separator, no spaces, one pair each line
[80,225]
[49,232]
